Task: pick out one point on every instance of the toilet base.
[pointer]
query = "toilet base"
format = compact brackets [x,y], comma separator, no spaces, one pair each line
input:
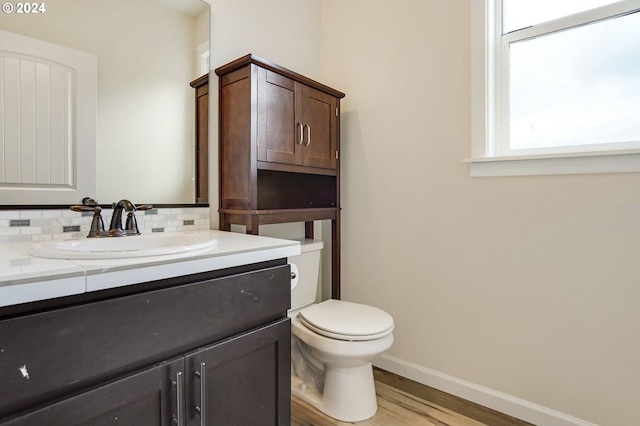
[349,393]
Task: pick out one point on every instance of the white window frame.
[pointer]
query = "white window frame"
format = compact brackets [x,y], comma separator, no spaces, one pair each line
[487,105]
[203,55]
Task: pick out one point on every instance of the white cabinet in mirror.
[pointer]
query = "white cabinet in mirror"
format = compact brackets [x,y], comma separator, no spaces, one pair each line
[48,119]
[144,140]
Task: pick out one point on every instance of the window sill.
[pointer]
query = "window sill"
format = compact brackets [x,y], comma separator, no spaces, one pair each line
[627,161]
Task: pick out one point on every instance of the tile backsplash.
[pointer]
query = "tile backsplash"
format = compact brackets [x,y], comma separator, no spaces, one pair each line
[46,225]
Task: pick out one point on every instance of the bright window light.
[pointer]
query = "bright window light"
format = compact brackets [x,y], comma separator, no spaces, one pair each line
[576,87]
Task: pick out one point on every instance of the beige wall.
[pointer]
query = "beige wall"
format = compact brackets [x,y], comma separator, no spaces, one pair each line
[527,286]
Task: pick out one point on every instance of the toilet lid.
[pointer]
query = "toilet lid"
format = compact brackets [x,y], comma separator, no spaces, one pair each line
[342,320]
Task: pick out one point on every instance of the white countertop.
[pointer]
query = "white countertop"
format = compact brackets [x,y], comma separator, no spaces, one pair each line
[25,278]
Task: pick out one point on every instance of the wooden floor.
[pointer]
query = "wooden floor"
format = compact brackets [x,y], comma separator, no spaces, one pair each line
[404,402]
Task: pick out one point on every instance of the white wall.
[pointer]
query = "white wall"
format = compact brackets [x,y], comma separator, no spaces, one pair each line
[286,32]
[527,285]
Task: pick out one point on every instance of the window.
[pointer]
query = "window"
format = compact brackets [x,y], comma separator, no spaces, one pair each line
[203,54]
[556,80]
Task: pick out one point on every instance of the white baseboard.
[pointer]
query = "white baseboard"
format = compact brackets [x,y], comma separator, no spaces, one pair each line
[507,404]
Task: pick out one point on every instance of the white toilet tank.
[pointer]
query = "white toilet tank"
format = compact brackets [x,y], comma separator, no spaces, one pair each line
[306,266]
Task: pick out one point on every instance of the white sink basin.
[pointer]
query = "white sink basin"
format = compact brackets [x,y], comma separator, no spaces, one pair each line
[124,247]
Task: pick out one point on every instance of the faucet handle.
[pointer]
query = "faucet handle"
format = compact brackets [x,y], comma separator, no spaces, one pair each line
[97,225]
[84,208]
[131,225]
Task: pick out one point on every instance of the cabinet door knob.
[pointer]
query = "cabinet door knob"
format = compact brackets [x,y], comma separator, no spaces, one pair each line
[299,125]
[308,135]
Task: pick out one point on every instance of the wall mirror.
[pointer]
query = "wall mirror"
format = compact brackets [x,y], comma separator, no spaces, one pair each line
[148,52]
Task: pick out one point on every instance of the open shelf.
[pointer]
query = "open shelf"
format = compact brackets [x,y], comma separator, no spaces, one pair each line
[283,190]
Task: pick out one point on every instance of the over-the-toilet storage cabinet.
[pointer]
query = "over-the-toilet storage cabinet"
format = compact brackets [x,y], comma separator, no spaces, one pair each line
[279,150]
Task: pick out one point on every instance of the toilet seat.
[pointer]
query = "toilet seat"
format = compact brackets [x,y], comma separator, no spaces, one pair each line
[342,320]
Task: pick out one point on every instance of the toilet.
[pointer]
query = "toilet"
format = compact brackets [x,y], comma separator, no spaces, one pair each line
[333,344]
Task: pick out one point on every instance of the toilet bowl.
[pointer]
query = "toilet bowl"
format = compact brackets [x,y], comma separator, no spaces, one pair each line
[333,344]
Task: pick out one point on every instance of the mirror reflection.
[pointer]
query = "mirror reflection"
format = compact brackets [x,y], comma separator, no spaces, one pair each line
[148,52]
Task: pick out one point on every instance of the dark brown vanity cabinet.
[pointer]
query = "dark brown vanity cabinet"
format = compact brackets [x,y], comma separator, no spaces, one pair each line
[212,349]
[279,150]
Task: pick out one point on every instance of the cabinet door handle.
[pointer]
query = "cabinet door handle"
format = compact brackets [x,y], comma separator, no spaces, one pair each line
[178,384]
[301,139]
[308,135]
[201,409]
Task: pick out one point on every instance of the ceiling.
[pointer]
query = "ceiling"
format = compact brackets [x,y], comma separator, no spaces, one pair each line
[188,7]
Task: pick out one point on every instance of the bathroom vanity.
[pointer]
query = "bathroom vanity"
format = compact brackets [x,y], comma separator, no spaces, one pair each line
[200,338]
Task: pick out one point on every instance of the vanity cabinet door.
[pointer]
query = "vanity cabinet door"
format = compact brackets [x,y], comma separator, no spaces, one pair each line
[245,380]
[148,398]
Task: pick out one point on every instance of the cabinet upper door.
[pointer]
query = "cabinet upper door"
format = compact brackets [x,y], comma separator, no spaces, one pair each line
[319,113]
[279,137]
[297,124]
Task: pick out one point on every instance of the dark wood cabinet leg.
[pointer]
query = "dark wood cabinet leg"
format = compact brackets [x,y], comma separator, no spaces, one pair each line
[335,256]
[225,225]
[253,225]
[308,230]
